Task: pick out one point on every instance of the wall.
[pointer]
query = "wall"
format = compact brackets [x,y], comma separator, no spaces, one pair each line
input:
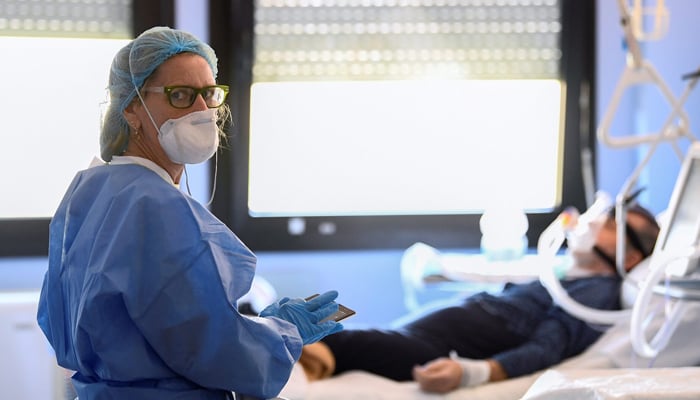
[643,109]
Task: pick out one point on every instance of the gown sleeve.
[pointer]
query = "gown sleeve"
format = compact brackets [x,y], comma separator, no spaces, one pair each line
[179,273]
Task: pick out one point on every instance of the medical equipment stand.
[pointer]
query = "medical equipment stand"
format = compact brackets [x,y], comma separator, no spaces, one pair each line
[639,71]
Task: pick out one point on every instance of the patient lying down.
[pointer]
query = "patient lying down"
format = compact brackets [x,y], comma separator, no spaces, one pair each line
[488,338]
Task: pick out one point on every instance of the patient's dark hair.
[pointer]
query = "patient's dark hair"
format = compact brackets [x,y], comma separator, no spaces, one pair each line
[643,239]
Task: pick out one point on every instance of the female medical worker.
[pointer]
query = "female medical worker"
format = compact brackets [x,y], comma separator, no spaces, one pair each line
[140,294]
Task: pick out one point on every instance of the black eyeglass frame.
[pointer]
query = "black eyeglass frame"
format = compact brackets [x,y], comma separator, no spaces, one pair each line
[168,91]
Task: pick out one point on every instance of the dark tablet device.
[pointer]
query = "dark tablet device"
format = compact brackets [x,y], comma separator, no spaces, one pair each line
[342,313]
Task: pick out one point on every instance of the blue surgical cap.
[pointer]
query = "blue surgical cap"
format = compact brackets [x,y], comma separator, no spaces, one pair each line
[132,65]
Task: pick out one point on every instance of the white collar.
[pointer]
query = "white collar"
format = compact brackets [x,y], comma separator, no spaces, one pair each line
[125,160]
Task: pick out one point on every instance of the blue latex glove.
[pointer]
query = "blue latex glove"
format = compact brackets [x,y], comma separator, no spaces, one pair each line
[307,314]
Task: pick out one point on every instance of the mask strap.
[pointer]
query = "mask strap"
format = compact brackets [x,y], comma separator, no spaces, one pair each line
[605,257]
[187,181]
[213,184]
[213,187]
[138,93]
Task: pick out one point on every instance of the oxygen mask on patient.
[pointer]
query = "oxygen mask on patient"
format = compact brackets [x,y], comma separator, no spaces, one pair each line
[581,232]
[581,241]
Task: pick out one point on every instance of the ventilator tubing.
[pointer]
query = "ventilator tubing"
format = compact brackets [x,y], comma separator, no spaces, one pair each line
[578,310]
[641,317]
[548,245]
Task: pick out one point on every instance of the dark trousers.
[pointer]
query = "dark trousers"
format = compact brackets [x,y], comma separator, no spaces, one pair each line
[466,329]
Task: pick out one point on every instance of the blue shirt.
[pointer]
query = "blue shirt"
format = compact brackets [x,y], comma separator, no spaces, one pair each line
[140,296]
[552,334]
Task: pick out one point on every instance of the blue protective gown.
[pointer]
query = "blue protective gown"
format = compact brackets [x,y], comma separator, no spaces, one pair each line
[140,295]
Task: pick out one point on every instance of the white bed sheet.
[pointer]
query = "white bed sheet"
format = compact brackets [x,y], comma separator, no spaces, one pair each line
[613,351]
[617,384]
[356,385]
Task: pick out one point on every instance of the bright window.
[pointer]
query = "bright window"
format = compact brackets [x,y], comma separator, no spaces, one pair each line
[55,88]
[385,122]
[403,147]
[56,57]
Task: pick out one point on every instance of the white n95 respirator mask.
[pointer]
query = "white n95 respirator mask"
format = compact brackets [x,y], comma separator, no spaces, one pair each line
[191,139]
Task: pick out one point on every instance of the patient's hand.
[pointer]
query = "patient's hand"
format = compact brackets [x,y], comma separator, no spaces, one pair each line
[439,376]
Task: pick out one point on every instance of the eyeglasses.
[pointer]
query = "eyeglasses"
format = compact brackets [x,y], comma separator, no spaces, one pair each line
[185,96]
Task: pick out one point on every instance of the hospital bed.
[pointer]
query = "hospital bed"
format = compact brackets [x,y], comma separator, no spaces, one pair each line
[609,363]
[624,363]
